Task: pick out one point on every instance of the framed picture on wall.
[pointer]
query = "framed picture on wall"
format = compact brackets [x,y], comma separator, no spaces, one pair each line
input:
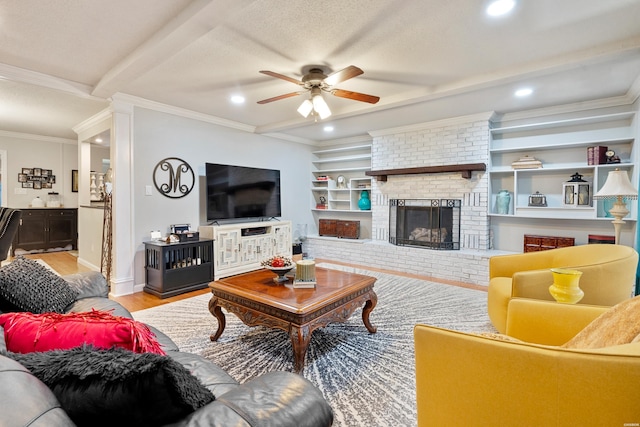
[28,184]
[22,177]
[27,171]
[37,185]
[74,180]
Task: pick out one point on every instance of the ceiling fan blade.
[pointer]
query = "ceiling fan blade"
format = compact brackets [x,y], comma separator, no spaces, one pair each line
[357,96]
[283,77]
[279,97]
[345,74]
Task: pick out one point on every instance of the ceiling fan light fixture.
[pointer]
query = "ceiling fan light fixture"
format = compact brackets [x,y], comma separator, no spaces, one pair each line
[320,106]
[305,108]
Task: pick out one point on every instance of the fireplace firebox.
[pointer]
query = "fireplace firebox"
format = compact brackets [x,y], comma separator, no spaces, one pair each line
[425,223]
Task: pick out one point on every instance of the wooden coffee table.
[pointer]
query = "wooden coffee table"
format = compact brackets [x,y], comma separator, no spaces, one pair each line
[257,300]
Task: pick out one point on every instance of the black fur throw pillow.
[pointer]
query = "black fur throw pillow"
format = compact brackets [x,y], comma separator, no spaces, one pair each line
[29,286]
[117,387]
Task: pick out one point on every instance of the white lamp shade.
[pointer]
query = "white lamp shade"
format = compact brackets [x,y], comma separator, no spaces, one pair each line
[305,108]
[321,107]
[617,184]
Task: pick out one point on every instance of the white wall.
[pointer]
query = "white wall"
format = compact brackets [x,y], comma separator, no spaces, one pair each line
[160,135]
[29,151]
[98,155]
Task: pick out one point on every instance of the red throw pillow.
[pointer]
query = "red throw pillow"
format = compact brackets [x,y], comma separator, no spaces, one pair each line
[28,332]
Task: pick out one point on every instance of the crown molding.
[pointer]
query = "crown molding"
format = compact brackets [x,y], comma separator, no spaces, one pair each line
[39,138]
[96,120]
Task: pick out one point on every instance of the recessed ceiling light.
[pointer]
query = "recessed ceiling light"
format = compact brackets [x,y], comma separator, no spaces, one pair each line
[328,128]
[524,92]
[237,99]
[500,7]
[98,140]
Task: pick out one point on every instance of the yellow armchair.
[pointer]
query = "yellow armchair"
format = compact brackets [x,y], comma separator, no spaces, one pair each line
[608,276]
[470,380]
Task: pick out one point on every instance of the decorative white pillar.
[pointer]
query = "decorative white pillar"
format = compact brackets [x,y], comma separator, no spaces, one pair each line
[123,253]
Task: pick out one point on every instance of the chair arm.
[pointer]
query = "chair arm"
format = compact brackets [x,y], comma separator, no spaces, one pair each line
[465,379]
[548,322]
[532,284]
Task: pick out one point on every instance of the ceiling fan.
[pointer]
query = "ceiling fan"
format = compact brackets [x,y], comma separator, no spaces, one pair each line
[315,82]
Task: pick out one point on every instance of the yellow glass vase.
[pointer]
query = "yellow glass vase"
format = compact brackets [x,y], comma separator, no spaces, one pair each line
[565,287]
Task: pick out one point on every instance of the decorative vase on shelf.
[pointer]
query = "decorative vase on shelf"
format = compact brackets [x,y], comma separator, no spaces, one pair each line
[502,202]
[565,287]
[364,203]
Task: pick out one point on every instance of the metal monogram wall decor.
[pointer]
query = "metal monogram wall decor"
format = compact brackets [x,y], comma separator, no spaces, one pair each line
[173,177]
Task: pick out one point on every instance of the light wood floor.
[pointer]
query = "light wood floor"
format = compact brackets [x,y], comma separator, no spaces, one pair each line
[66,263]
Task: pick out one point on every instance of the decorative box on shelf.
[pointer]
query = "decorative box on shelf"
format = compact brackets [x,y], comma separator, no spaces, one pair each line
[188,236]
[537,199]
[526,162]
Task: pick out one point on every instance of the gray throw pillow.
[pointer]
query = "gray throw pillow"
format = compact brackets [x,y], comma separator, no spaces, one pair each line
[30,286]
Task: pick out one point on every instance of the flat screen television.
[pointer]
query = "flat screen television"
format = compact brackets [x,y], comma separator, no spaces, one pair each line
[237,192]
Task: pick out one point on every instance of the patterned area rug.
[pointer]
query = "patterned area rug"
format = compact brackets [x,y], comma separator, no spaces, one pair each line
[369,379]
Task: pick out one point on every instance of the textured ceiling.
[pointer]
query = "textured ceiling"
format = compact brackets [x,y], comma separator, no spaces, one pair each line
[61,61]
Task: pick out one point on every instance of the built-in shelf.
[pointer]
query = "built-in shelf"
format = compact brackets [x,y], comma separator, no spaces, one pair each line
[342,181]
[465,170]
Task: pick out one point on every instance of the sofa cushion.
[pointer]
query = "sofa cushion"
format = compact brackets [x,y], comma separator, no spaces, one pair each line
[88,284]
[618,325]
[209,374]
[28,332]
[27,401]
[29,286]
[117,387]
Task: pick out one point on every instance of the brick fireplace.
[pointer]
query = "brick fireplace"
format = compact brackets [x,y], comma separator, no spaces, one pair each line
[462,140]
[425,223]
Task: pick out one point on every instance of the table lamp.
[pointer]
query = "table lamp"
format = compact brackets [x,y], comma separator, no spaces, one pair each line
[617,187]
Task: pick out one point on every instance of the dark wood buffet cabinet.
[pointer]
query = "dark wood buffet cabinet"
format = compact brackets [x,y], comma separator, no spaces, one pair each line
[46,228]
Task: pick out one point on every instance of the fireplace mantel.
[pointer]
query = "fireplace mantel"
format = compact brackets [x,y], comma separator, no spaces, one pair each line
[465,170]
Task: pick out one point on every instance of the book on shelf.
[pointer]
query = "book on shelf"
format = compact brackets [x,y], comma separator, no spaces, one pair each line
[322,206]
[597,155]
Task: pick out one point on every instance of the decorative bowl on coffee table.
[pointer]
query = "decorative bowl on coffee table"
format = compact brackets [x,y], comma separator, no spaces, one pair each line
[280,271]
